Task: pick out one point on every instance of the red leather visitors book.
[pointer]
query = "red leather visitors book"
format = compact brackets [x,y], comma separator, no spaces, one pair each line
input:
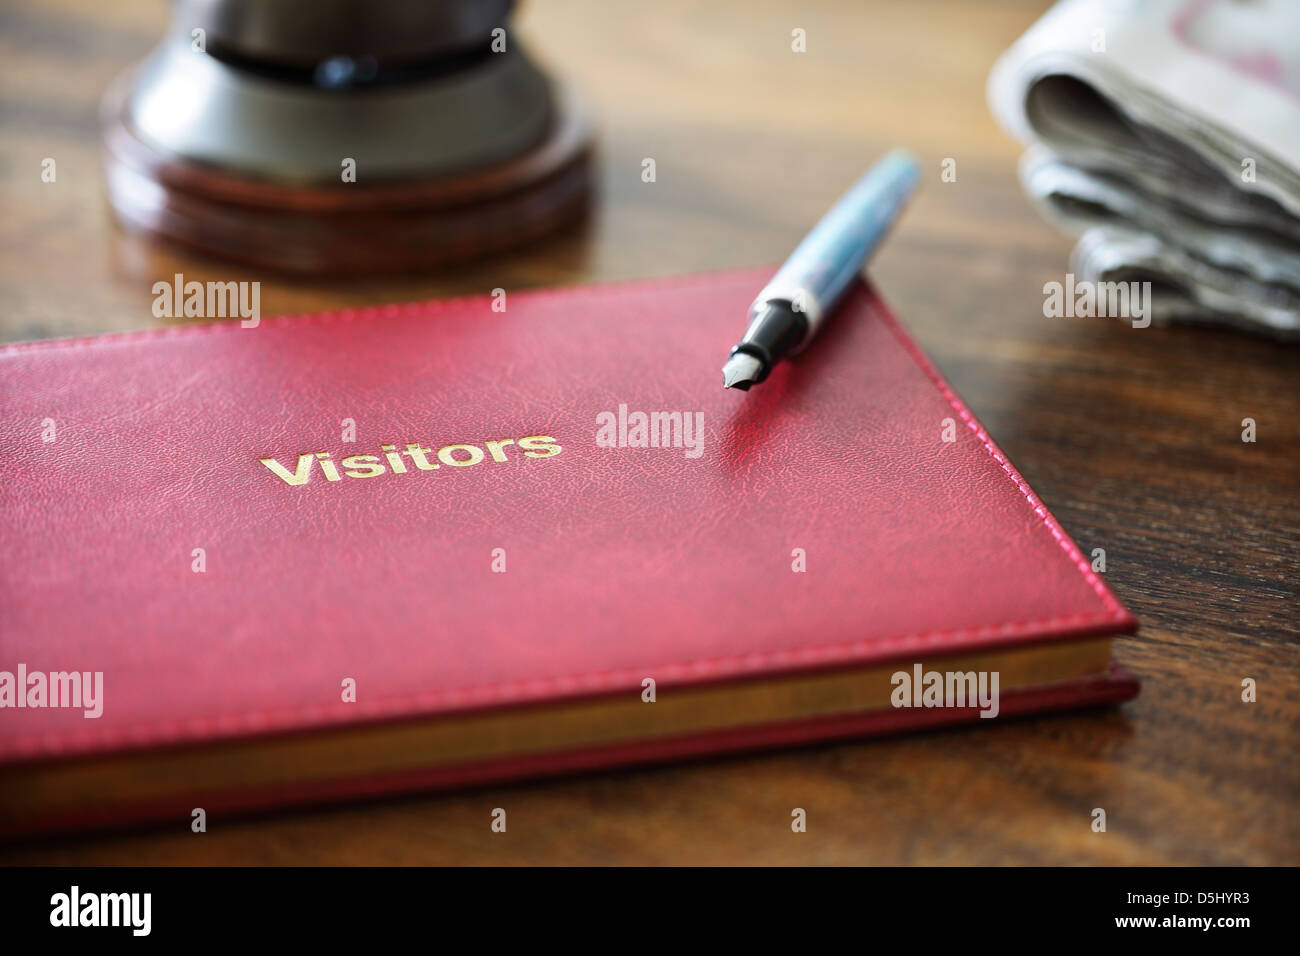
[424,545]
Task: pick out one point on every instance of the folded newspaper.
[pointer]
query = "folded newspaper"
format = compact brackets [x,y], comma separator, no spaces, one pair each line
[1166,135]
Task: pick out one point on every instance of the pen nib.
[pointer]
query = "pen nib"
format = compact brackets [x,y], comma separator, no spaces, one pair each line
[741,371]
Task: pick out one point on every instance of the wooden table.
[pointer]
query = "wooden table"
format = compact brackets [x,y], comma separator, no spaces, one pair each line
[1132,437]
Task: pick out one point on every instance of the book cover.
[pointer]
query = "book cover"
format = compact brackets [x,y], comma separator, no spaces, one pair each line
[415,546]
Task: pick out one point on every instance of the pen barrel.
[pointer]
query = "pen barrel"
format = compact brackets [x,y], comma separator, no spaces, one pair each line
[821,268]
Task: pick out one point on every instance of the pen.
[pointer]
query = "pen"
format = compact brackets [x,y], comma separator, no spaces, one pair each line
[794,304]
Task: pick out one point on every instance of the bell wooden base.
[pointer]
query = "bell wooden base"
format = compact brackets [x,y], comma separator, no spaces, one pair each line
[344,228]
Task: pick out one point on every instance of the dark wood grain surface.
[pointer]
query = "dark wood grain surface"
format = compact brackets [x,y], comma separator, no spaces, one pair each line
[1132,437]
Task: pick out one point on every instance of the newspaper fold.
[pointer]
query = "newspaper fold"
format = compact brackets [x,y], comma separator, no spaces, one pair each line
[1166,134]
